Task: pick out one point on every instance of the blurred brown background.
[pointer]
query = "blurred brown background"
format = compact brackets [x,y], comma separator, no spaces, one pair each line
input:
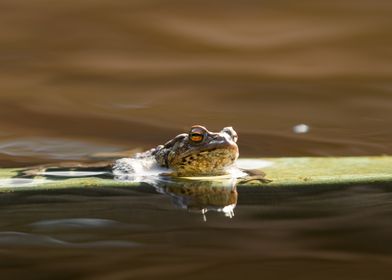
[84,77]
[94,76]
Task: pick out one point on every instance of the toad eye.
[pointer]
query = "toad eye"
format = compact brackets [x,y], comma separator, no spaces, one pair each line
[197,134]
[196,137]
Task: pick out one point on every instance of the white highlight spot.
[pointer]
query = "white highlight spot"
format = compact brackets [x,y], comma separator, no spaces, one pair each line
[71,174]
[301,128]
[20,182]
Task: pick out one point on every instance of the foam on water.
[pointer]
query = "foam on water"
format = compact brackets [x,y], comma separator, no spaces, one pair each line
[138,169]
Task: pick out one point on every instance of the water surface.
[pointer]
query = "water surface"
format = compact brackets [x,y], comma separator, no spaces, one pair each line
[126,233]
[83,81]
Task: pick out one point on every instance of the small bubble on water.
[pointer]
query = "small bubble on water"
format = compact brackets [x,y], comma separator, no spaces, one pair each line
[301,128]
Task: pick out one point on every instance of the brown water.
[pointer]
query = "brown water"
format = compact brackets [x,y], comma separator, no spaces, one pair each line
[78,79]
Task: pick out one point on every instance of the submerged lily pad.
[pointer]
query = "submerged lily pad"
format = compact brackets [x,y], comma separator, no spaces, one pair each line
[329,170]
[299,171]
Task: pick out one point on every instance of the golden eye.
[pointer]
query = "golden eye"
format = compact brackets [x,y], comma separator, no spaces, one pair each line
[196,137]
[197,134]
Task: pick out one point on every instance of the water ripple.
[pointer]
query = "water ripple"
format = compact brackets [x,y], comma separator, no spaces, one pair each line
[14,238]
[82,223]
[53,148]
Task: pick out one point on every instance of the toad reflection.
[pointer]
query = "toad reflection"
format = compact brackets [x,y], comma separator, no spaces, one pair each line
[202,196]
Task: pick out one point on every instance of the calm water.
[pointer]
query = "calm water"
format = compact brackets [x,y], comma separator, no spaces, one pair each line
[81,81]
